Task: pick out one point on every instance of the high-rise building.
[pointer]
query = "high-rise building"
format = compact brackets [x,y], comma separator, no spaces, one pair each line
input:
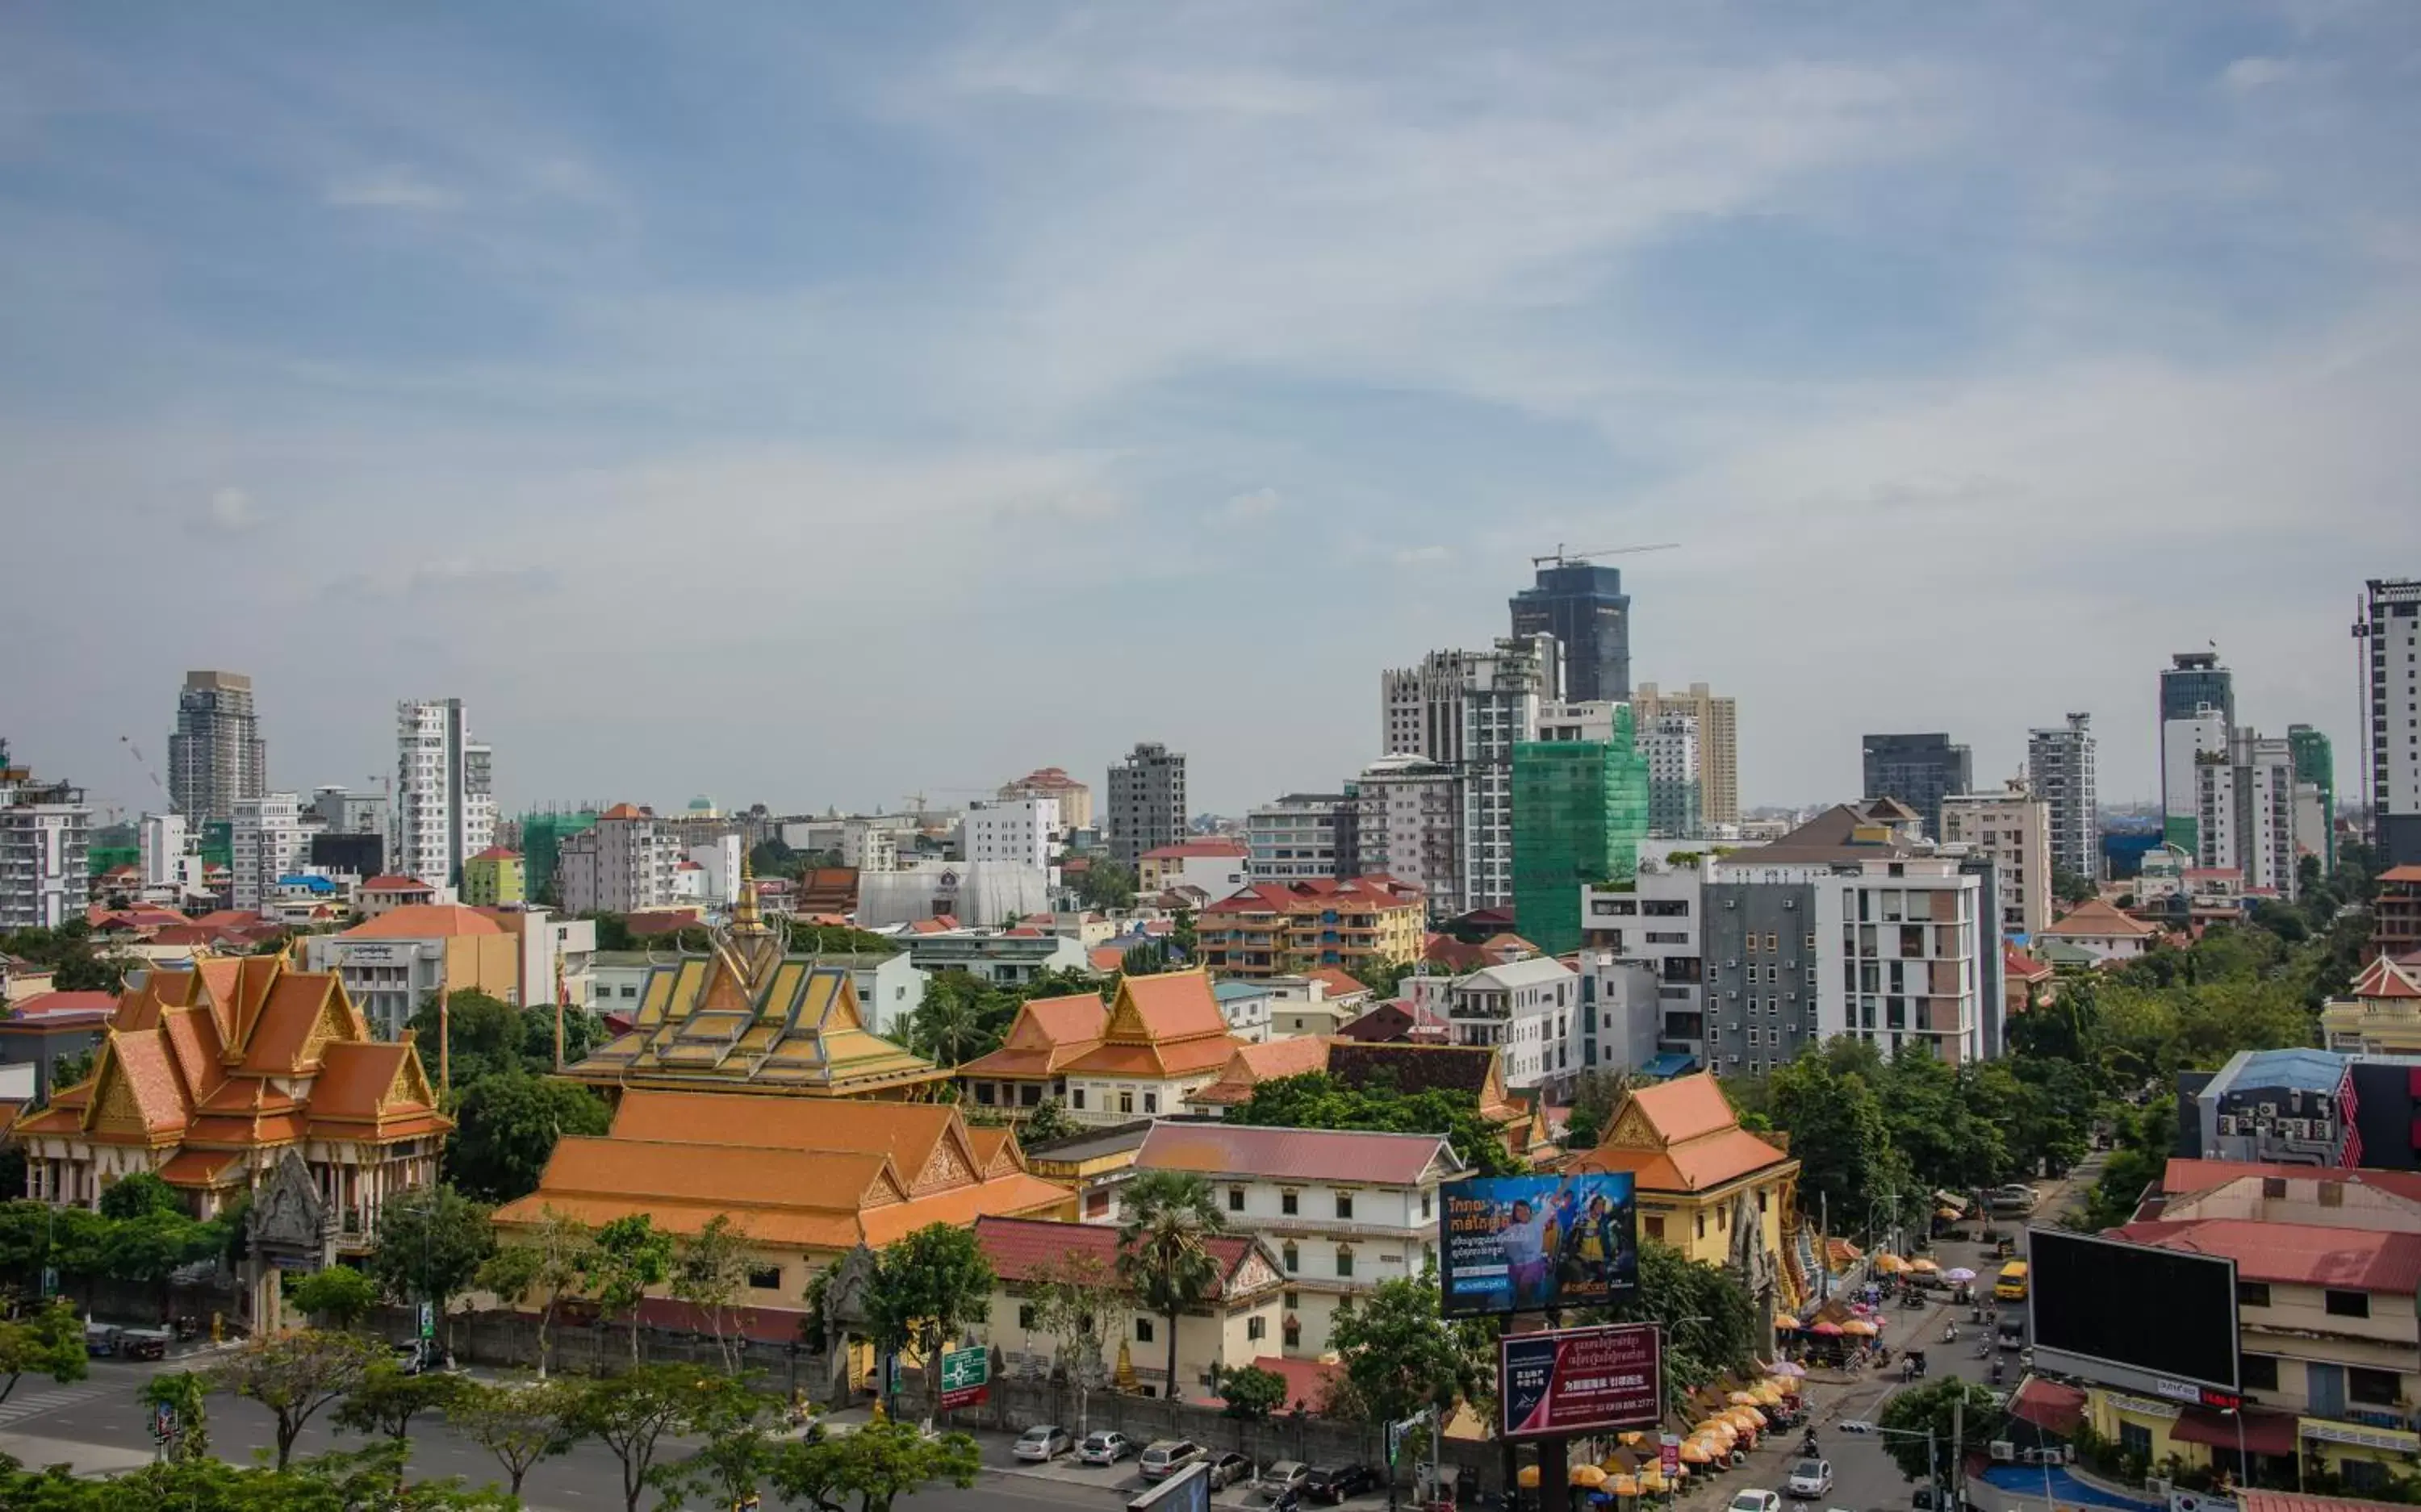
[623,864]
[2197,712]
[1408,821]
[1147,801]
[269,844]
[216,756]
[1718,743]
[2390,630]
[165,841]
[45,838]
[2059,765]
[2244,812]
[1074,799]
[1675,802]
[342,811]
[2015,829]
[2316,767]
[445,796]
[1580,810]
[1016,830]
[1468,709]
[1918,770]
[1586,610]
[1305,835]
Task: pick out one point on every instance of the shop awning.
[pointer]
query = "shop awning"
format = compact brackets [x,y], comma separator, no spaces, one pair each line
[2265,1433]
[1671,1064]
[2050,1406]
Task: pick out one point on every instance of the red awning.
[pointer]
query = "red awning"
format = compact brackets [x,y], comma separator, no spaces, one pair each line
[2265,1433]
[2050,1406]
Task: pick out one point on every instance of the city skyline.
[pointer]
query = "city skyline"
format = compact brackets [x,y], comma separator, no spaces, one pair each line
[2119,310]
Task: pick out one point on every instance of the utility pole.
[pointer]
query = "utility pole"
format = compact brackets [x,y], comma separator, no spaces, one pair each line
[1823,1246]
[1958,1452]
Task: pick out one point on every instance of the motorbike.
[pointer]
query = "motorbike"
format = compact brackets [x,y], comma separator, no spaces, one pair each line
[1807,1445]
[1996,1372]
[1950,1333]
[1984,1349]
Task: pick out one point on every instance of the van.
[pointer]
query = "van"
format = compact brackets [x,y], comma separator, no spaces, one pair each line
[2011,1287]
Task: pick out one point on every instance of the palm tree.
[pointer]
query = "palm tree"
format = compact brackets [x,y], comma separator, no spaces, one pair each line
[946,1027]
[1164,1247]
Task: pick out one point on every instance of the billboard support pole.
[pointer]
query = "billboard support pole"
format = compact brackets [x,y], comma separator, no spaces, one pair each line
[1958,1453]
[1554,1475]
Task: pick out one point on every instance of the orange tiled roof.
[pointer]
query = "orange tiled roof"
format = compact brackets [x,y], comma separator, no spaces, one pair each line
[2093,918]
[1255,1064]
[425,920]
[1171,1006]
[395,882]
[1341,983]
[1680,1136]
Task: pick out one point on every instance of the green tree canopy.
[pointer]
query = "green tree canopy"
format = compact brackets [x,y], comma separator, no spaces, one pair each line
[520,1422]
[47,1341]
[1251,1393]
[430,1243]
[137,1195]
[626,1258]
[1931,1408]
[294,1375]
[339,1295]
[877,1464]
[928,1285]
[635,1413]
[507,1123]
[1164,1253]
[1314,1099]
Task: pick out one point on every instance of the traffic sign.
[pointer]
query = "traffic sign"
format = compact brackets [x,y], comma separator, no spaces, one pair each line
[164,1422]
[429,1320]
[966,1377]
[1396,1435]
[50,1281]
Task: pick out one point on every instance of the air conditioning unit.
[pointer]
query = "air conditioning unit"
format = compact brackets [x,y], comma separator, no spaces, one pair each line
[2003,1451]
[2157,1484]
[2227,1123]
[1791,902]
[1731,965]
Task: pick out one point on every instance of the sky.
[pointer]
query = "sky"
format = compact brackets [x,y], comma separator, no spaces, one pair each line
[813,405]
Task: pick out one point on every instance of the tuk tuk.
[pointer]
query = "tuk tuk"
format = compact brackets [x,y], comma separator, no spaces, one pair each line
[143,1343]
[100,1340]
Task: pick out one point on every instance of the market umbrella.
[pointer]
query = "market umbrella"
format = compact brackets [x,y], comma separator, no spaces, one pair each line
[1860,1327]
[1924,1267]
[1756,1420]
[1789,1369]
[1633,1439]
[1588,1476]
[1769,1394]
[1622,1485]
[1528,1477]
[1829,1331]
[1742,1398]
[1758,1413]
[1948,1215]
[1694,1452]
[1889,1263]
[1961,1273]
[1786,1322]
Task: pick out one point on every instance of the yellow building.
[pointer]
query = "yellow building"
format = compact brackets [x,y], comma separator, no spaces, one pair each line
[2383,1015]
[745,1017]
[1705,1186]
[494,878]
[1286,928]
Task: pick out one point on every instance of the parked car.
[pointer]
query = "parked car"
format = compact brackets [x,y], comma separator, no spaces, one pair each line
[1105,1449]
[1811,1478]
[1168,1456]
[1280,1476]
[144,1343]
[1228,1469]
[1757,1502]
[1333,1483]
[1044,1441]
[2017,1197]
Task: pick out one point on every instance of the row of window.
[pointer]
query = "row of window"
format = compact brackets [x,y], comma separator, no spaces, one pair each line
[1290,1202]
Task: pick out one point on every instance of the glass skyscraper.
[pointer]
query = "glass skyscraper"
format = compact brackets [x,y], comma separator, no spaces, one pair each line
[1587,613]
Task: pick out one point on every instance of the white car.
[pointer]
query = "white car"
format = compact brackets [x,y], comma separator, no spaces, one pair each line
[1757,1502]
[1811,1478]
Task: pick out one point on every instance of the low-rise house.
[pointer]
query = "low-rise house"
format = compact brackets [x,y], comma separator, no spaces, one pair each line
[378,895]
[2026,982]
[1218,868]
[40,1032]
[1398,1021]
[22,979]
[1317,1002]
[1235,1323]
[1343,1210]
[393,962]
[1276,928]
[2382,1013]
[2108,934]
[1245,1006]
[1003,958]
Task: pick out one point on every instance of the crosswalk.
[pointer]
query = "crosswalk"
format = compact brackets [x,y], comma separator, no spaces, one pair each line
[26,1402]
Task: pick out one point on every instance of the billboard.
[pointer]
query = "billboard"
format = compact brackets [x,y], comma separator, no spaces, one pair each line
[1529,1243]
[2133,1316]
[1580,1381]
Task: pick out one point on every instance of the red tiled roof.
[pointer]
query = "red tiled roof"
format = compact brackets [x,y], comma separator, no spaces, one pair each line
[2402,874]
[1307,1381]
[2018,963]
[1341,983]
[1291,1154]
[2259,1501]
[624,811]
[2386,978]
[1229,850]
[2350,1260]
[1703,1145]
[424,921]
[390,882]
[2095,919]
[1312,895]
[2182,1176]
[1019,1248]
[65,1007]
[1106,958]
[498,852]
[2047,1404]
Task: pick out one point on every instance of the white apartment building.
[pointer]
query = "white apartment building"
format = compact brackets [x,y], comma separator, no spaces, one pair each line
[1592,720]
[2059,766]
[269,842]
[1409,814]
[1718,724]
[1301,835]
[2014,828]
[45,842]
[1655,921]
[1531,1009]
[623,864]
[1676,795]
[445,794]
[2244,812]
[1466,710]
[1343,1210]
[162,843]
[718,862]
[1849,925]
[1014,830]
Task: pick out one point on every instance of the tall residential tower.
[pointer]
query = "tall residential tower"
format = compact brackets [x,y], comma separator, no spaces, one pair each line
[2390,632]
[1147,801]
[2059,765]
[216,757]
[1718,743]
[2197,716]
[444,795]
[1587,613]
[1918,770]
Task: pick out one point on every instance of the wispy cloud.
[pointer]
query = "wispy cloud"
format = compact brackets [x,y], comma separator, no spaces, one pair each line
[1253,504]
[229,512]
[392,188]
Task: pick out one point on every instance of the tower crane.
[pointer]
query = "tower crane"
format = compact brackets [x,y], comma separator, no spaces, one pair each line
[140,760]
[1559,556]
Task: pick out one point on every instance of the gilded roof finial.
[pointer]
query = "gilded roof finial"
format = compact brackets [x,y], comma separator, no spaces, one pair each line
[744,920]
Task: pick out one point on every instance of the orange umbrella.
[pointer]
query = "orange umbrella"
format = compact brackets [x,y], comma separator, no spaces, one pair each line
[1860,1326]
[1694,1452]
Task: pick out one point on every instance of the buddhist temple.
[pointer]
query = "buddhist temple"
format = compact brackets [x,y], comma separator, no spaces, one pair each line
[1410,1067]
[746,1017]
[1157,1041]
[211,1077]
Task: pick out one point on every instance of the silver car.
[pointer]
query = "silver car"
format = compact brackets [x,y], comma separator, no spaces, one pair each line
[1044,1441]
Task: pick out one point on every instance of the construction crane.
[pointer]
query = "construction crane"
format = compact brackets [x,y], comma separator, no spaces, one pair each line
[140,760]
[1559,556]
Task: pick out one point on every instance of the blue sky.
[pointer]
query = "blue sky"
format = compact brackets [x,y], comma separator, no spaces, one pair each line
[811,404]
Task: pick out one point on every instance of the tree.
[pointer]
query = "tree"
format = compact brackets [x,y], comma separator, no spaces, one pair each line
[46,1342]
[710,1268]
[548,1263]
[1252,1393]
[1930,1407]
[1838,1134]
[520,1423]
[294,1375]
[385,1400]
[1081,1304]
[507,1124]
[2068,887]
[878,1464]
[727,1469]
[1594,1095]
[152,1248]
[947,1028]
[1314,1099]
[1163,1248]
[1712,1323]
[633,1414]
[139,1195]
[339,1296]
[928,1285]
[1384,979]
[628,1256]
[1105,883]
[1047,1120]
[1400,1354]
[430,1243]
[186,1394]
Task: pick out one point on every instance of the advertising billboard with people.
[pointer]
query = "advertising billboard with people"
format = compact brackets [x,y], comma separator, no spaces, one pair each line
[1536,1243]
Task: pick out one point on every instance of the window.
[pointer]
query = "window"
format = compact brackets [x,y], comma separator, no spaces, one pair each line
[1126,1102]
[1142,1331]
[1076,1099]
[1425,1204]
[2253,1294]
[2376,1387]
[2349,1303]
[1097,1204]
[1151,1102]
[1702,1224]
[1026,1315]
[1294,1334]
[1294,1260]
[1293,1300]
[2135,1439]
[1235,1199]
[983,1093]
[1343,1260]
[2260,1371]
[1288,1203]
[765,1277]
[1345,1205]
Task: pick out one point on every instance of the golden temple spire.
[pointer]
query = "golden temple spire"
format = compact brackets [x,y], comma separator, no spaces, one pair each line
[744,907]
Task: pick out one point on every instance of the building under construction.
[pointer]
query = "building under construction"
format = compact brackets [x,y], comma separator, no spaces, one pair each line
[1580,811]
